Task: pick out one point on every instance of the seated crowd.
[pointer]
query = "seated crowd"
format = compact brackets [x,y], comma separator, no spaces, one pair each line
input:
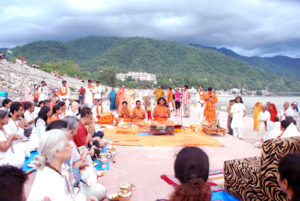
[67,142]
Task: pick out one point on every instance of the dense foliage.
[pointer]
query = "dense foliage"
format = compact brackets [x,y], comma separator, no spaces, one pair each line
[174,63]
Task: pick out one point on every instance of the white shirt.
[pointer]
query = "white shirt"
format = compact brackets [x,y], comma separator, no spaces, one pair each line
[98,91]
[49,183]
[287,113]
[198,99]
[237,118]
[13,128]
[38,131]
[44,93]
[28,116]
[36,111]
[71,113]
[290,131]
[147,93]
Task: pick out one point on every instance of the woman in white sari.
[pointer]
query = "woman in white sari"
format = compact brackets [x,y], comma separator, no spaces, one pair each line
[239,112]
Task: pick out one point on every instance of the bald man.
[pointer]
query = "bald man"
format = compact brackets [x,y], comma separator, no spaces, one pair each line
[73,110]
[287,111]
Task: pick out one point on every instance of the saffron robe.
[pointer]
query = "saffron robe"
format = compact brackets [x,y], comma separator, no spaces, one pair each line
[210,109]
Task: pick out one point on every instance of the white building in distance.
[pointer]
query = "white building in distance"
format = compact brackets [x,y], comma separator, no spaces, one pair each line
[137,76]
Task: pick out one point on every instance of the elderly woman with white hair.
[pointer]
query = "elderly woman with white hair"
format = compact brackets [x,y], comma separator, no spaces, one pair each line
[54,151]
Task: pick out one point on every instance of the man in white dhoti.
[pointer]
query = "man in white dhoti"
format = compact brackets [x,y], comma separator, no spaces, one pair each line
[263,117]
[200,103]
[89,94]
[64,93]
[98,91]
[43,91]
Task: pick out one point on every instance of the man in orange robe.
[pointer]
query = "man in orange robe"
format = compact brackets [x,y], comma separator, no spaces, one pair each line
[210,110]
[170,98]
[64,93]
[121,96]
[97,110]
[124,113]
[138,113]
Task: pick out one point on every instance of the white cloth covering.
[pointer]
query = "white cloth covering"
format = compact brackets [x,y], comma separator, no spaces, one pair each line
[44,93]
[286,113]
[88,98]
[38,131]
[290,131]
[262,118]
[98,91]
[49,183]
[28,116]
[13,128]
[200,107]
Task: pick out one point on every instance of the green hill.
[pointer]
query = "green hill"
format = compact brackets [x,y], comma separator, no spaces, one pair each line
[174,63]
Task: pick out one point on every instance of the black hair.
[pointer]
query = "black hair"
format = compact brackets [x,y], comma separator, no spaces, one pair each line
[61,103]
[138,101]
[186,86]
[191,168]
[59,124]
[89,81]
[6,101]
[15,106]
[289,169]
[27,105]
[276,118]
[124,102]
[43,82]
[64,81]
[98,82]
[239,98]
[3,113]
[169,88]
[162,98]
[285,123]
[42,114]
[209,89]
[55,108]
[40,103]
[86,111]
[12,181]
[46,101]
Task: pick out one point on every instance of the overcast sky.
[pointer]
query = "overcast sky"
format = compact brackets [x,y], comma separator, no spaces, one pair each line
[250,27]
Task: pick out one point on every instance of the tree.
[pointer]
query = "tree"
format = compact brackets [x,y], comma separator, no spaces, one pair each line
[108,77]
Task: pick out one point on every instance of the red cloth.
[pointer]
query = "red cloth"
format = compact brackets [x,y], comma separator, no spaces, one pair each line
[82,91]
[149,115]
[80,137]
[273,111]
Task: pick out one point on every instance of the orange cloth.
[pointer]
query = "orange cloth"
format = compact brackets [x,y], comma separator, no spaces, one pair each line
[121,96]
[202,95]
[210,110]
[170,98]
[184,138]
[98,112]
[53,118]
[36,96]
[126,117]
[159,93]
[106,118]
[63,91]
[138,112]
[164,110]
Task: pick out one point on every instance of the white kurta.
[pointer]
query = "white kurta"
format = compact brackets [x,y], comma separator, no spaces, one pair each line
[15,155]
[237,111]
[12,128]
[38,131]
[28,116]
[290,131]
[89,97]
[44,93]
[94,111]
[288,113]
[98,91]
[49,183]
[200,108]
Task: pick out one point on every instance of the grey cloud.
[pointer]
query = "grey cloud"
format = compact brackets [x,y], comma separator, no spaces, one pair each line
[256,27]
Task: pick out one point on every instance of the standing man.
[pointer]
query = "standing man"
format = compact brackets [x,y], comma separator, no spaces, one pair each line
[200,103]
[296,113]
[287,111]
[43,92]
[159,92]
[64,93]
[89,94]
[170,99]
[210,109]
[186,101]
[146,96]
[98,91]
[81,95]
[121,96]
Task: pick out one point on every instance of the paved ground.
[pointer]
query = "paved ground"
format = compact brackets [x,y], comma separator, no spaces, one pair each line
[142,166]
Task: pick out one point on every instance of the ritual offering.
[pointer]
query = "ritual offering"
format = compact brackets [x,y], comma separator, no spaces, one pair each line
[126,192]
[161,128]
[106,118]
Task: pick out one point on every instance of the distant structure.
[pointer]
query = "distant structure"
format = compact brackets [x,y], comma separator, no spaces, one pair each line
[137,76]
